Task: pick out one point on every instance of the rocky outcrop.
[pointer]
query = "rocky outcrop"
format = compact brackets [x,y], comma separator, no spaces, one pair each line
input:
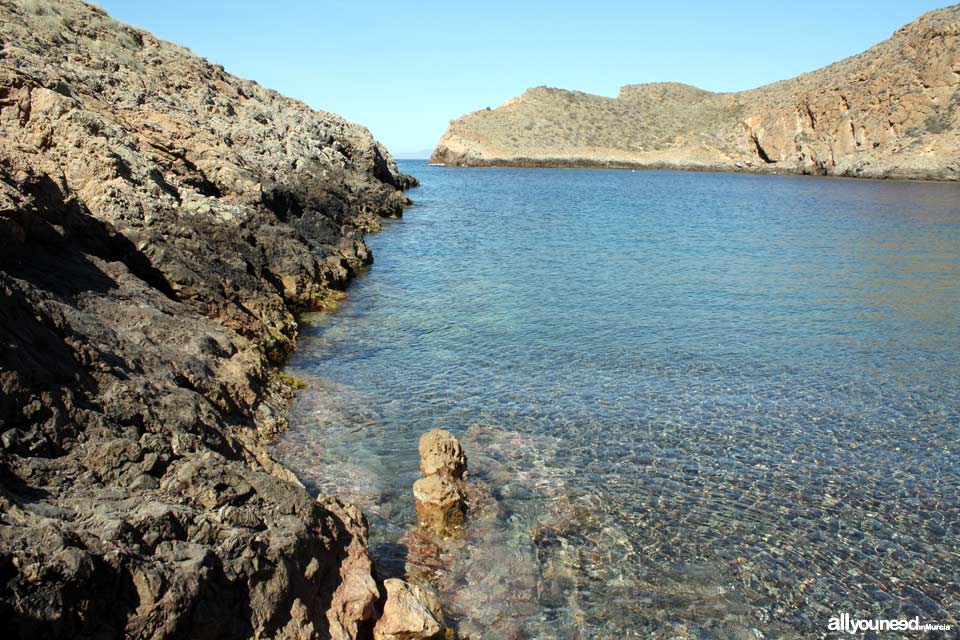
[161,222]
[890,112]
[439,494]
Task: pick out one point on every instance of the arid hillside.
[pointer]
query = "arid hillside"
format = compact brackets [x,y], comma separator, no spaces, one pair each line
[892,111]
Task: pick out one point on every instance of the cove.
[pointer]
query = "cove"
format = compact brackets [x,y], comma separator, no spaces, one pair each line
[705,404]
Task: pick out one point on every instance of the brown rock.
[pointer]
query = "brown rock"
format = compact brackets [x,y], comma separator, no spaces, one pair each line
[411,612]
[162,222]
[355,598]
[299,627]
[439,494]
[441,453]
[892,111]
[440,505]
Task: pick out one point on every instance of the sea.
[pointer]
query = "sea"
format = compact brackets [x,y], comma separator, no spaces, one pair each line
[694,405]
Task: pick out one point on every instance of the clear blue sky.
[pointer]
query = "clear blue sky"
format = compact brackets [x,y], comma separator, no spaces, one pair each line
[404,69]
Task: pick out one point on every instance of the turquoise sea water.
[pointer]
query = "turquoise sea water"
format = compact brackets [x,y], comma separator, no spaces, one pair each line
[695,405]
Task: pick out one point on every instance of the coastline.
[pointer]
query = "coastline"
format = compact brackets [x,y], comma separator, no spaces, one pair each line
[600,165]
[538,446]
[890,112]
[164,222]
[667,367]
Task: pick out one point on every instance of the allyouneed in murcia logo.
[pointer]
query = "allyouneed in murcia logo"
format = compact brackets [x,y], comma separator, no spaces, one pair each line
[845,622]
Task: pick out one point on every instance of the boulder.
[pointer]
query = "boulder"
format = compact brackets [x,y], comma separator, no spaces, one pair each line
[441,454]
[411,612]
[440,505]
[440,494]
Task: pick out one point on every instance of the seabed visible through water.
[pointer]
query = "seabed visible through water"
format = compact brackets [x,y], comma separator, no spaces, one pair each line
[695,405]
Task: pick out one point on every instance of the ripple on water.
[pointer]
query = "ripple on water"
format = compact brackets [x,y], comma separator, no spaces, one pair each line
[704,406]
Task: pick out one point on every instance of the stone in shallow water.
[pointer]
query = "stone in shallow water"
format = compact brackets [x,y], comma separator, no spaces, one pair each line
[440,493]
[440,505]
[411,612]
[441,454]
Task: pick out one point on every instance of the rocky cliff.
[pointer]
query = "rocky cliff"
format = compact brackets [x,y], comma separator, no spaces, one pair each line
[160,223]
[890,112]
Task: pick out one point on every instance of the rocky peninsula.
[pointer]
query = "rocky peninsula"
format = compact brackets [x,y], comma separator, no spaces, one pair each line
[892,111]
[162,221]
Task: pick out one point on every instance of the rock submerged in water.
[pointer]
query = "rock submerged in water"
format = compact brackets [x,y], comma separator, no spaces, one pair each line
[411,612]
[439,495]
[440,505]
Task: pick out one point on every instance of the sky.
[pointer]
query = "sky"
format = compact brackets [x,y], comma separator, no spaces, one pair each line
[405,69]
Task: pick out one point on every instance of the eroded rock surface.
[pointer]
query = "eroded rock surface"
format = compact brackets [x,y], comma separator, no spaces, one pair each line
[161,221]
[440,495]
[440,505]
[441,454]
[411,612]
[890,112]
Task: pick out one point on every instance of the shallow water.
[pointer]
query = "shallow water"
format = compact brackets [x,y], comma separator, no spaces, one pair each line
[703,405]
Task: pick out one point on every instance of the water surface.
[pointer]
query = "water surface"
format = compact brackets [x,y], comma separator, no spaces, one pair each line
[702,405]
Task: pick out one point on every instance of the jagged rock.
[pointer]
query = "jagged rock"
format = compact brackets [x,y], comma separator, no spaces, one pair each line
[411,612]
[441,454]
[354,602]
[161,222]
[440,505]
[299,627]
[892,111]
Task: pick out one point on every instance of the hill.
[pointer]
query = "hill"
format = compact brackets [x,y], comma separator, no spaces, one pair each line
[892,111]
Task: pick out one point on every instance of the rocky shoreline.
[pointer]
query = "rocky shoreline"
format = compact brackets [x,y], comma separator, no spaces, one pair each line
[892,111]
[753,169]
[162,223]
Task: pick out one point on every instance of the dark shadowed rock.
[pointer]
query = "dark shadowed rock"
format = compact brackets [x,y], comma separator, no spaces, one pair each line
[161,223]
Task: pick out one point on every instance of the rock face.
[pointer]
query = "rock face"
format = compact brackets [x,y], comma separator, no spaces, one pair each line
[410,612]
[890,112]
[161,221]
[439,494]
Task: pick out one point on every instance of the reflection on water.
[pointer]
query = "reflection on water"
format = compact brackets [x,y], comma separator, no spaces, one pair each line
[695,405]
